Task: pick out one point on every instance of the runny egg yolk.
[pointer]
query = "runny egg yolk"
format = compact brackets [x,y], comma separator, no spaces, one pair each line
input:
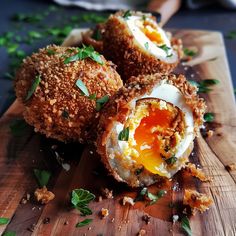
[152,34]
[154,137]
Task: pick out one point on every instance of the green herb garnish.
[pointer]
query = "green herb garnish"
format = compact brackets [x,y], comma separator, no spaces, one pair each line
[231,34]
[209,117]
[144,17]
[42,177]
[154,198]
[33,87]
[12,47]
[65,114]
[127,14]
[124,134]
[83,53]
[93,18]
[80,199]
[84,222]
[9,233]
[18,127]
[101,102]
[51,52]
[189,52]
[186,225]
[82,87]
[35,35]
[29,18]
[203,86]
[97,35]
[92,96]
[4,221]
[171,160]
[146,45]
[165,48]
[139,171]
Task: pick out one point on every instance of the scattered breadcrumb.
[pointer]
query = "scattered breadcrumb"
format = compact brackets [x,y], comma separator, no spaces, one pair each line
[99,198]
[231,166]
[66,222]
[196,172]
[146,218]
[141,232]
[104,212]
[210,133]
[128,200]
[112,220]
[197,201]
[107,193]
[43,195]
[23,201]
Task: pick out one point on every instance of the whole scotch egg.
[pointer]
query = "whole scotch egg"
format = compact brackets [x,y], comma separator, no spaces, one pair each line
[138,45]
[146,131]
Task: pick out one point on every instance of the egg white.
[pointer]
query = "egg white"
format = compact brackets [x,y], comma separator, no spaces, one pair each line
[171,94]
[142,40]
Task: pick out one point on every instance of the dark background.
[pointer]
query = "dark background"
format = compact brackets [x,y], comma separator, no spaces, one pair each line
[211,18]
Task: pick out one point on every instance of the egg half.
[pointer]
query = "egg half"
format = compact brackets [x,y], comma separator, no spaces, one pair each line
[150,136]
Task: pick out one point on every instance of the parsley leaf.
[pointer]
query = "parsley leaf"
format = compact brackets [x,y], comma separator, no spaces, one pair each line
[42,177]
[146,45]
[154,198]
[33,87]
[124,134]
[18,127]
[3,221]
[203,86]
[231,34]
[171,160]
[189,52]
[80,199]
[83,53]
[97,35]
[9,233]
[84,222]
[186,225]
[209,117]
[35,35]
[209,82]
[165,48]
[127,14]
[101,102]
[51,52]
[82,87]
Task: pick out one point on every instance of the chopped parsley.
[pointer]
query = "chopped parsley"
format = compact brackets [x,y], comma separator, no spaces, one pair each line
[42,177]
[9,233]
[165,48]
[33,87]
[92,96]
[209,117]
[79,83]
[139,171]
[203,86]
[80,199]
[127,14]
[124,134]
[144,17]
[18,127]
[83,223]
[83,53]
[65,114]
[231,34]
[51,52]
[4,221]
[171,160]
[101,102]
[35,35]
[97,35]
[146,45]
[186,225]
[189,52]
[28,18]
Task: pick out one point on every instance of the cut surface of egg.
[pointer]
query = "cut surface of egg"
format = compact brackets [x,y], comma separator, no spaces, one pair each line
[161,129]
[151,38]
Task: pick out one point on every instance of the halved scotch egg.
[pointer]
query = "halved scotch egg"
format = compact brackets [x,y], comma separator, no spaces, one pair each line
[138,45]
[146,131]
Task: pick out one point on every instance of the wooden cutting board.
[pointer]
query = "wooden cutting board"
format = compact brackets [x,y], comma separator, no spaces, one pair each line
[19,155]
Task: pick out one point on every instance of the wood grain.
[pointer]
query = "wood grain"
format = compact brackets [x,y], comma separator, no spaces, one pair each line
[19,155]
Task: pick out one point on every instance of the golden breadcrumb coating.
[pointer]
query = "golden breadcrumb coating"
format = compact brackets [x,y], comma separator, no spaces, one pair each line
[196,172]
[57,108]
[116,110]
[119,46]
[197,201]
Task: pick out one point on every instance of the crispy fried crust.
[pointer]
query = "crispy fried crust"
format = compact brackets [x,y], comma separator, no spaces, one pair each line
[117,110]
[119,47]
[57,108]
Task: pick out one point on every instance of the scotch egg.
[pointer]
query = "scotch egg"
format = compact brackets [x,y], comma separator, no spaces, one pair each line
[146,131]
[138,45]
